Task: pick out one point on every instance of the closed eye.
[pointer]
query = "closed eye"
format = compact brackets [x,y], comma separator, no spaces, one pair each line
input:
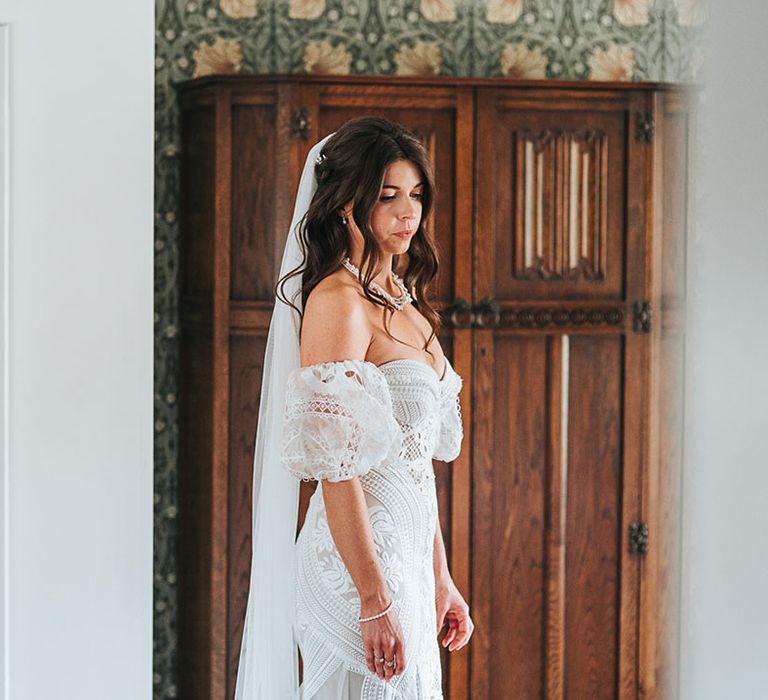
[418,195]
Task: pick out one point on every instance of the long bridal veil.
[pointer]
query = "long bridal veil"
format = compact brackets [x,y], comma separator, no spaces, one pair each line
[268,667]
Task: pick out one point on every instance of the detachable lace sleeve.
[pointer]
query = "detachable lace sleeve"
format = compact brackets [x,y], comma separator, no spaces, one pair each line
[451,434]
[338,421]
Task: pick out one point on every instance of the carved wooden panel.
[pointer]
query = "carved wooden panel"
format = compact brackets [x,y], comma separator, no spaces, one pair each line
[255,181]
[552,195]
[560,225]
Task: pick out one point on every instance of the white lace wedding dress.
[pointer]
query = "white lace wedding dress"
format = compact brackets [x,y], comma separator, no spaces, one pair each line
[384,424]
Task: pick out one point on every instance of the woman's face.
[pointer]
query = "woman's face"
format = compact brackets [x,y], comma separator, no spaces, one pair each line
[398,208]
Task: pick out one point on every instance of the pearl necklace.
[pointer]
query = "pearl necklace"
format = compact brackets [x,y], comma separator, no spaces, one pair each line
[398,303]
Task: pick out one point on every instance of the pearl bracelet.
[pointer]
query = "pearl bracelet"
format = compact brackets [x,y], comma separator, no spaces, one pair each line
[378,615]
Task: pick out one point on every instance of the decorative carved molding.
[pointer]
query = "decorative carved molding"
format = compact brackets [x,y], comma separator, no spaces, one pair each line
[560,207]
[488,314]
[541,317]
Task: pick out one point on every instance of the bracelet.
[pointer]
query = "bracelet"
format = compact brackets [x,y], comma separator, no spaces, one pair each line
[378,615]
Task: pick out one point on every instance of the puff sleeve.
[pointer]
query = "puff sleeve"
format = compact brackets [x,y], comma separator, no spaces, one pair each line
[451,433]
[338,421]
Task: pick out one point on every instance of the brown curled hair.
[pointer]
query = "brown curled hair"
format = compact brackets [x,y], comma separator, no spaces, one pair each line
[352,167]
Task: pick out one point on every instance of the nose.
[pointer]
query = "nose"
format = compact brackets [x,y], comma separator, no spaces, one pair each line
[409,210]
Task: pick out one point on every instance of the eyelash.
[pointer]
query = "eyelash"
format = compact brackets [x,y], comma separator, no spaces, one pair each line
[391,197]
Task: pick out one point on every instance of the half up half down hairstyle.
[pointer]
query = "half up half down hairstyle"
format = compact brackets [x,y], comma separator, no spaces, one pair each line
[351,166]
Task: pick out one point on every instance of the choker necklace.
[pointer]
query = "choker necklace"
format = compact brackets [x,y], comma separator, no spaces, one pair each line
[398,303]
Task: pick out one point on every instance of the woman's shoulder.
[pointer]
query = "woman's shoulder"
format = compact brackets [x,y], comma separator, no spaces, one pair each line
[335,293]
[336,323]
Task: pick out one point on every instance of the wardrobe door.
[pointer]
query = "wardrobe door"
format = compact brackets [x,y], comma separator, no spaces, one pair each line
[442,118]
[557,392]
[239,175]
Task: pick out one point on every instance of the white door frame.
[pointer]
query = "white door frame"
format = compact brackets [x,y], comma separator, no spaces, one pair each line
[5,608]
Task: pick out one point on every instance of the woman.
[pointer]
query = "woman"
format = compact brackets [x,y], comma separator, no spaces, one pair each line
[372,402]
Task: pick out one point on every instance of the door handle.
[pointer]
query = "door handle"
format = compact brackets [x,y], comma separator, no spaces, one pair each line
[487,310]
[484,314]
[460,314]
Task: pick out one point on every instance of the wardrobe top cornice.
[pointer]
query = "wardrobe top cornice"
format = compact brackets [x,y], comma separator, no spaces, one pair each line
[243,80]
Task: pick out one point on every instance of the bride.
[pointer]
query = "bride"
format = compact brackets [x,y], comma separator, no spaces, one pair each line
[358,396]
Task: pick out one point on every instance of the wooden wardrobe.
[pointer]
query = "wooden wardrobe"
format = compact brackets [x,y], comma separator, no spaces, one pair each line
[561,224]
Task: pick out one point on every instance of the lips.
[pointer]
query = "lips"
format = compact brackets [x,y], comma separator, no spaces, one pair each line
[404,234]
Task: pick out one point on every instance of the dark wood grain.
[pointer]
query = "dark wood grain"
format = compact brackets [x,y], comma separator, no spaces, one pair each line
[572,416]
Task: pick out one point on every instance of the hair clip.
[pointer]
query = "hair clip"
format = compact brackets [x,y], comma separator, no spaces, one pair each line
[320,158]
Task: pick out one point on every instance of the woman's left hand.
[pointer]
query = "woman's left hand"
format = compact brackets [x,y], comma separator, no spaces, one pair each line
[453,609]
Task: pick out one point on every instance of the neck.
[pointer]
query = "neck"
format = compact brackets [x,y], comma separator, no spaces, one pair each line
[383,276]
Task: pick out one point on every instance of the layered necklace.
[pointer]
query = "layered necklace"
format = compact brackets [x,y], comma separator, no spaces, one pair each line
[399,302]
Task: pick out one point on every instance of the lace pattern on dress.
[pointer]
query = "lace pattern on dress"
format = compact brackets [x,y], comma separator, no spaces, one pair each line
[338,421]
[384,424]
[451,433]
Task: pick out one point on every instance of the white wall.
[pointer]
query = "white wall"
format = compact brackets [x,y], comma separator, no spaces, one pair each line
[79,348]
[78,402]
[725,644]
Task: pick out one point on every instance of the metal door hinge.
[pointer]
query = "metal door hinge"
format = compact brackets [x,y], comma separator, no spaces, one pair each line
[644,127]
[300,123]
[642,316]
[638,538]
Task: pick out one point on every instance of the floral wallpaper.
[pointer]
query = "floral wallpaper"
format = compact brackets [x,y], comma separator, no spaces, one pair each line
[633,40]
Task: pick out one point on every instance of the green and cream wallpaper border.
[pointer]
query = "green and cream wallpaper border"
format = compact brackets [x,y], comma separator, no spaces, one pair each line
[632,40]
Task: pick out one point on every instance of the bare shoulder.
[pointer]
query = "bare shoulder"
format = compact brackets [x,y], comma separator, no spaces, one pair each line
[336,324]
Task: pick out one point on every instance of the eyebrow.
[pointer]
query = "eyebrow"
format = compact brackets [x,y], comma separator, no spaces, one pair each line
[395,187]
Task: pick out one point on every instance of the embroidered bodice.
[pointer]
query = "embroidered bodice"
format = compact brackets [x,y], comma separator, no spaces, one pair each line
[384,424]
[343,418]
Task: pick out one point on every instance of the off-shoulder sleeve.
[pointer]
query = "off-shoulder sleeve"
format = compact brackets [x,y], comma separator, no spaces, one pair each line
[451,434]
[338,421]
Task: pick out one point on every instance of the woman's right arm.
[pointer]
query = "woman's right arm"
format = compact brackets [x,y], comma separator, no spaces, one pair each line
[351,531]
[335,327]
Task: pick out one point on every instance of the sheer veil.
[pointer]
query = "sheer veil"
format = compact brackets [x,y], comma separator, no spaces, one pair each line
[268,667]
